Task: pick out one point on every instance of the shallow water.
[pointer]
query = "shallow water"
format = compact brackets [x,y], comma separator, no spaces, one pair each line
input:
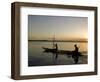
[36,56]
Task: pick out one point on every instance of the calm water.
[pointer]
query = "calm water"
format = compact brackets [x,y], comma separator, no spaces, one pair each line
[36,56]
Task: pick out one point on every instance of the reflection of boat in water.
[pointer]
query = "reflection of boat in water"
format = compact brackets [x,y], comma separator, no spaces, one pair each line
[59,52]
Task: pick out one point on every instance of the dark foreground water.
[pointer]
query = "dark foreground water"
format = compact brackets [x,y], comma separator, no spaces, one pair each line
[36,56]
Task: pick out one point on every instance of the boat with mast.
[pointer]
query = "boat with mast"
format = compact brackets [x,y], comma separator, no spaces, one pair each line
[59,52]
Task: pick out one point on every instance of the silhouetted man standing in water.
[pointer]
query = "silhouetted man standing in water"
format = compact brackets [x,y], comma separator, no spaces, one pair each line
[76,54]
[56,48]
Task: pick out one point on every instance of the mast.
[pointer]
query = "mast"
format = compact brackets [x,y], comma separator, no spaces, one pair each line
[53,41]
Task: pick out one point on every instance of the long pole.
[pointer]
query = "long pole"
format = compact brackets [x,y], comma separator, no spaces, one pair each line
[53,41]
[53,56]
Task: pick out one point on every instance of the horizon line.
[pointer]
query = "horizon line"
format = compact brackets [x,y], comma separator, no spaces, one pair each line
[61,40]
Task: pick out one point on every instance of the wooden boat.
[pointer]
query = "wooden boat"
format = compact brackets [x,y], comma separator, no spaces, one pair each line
[59,52]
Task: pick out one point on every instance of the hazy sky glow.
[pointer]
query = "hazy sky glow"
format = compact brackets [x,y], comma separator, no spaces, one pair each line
[63,27]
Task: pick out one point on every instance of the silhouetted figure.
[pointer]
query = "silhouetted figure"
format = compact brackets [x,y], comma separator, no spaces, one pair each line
[76,48]
[56,50]
[75,54]
[56,47]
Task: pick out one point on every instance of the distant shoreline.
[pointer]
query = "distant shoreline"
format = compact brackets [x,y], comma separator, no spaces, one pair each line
[56,41]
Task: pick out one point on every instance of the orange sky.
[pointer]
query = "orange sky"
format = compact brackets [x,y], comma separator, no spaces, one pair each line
[62,27]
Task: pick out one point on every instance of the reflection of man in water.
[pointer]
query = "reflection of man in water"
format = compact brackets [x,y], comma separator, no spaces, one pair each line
[75,54]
